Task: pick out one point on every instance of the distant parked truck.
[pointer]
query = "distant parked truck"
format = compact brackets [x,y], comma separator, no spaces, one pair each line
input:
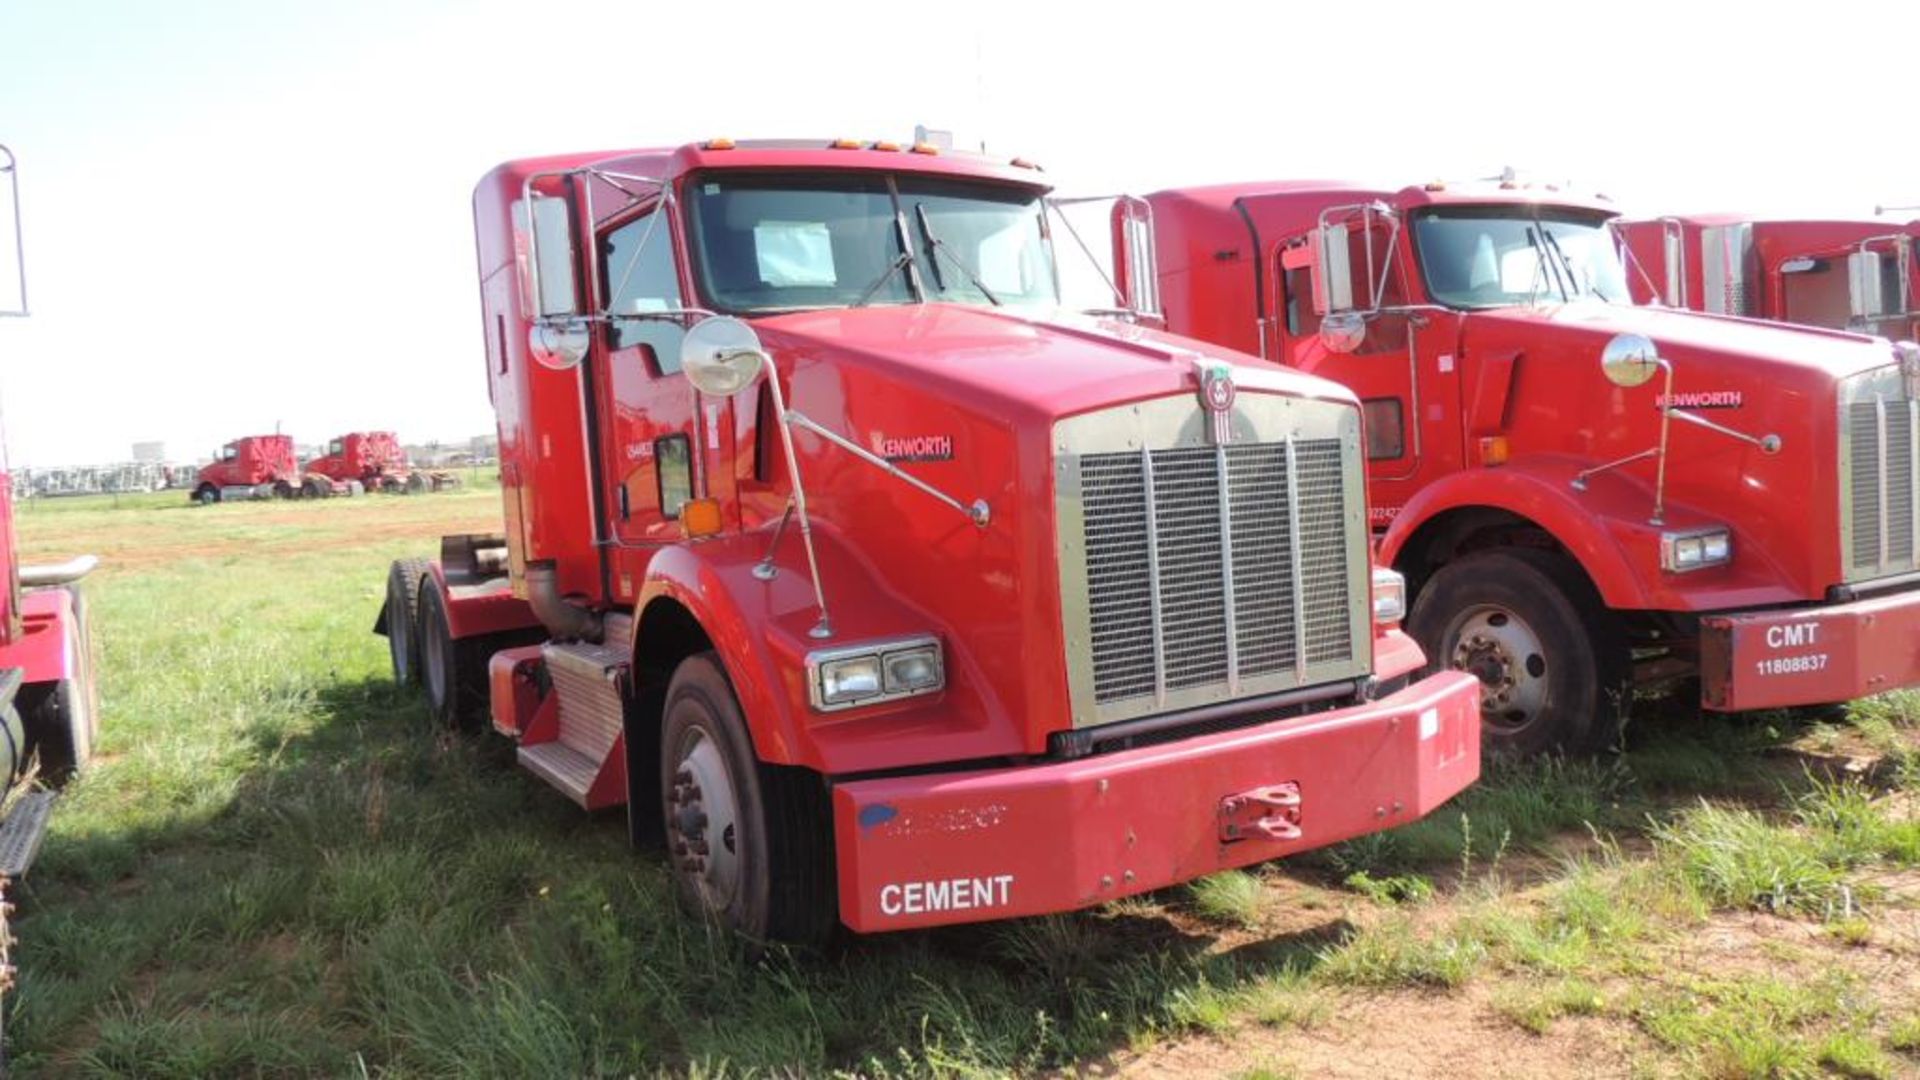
[1844,275]
[374,459]
[250,467]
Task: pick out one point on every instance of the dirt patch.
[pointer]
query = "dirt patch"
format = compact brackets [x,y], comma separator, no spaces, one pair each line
[1407,1035]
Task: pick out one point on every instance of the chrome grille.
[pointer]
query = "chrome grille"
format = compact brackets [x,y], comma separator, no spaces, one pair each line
[1204,573]
[1880,486]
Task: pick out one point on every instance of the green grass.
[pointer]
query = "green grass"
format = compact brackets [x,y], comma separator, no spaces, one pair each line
[277,867]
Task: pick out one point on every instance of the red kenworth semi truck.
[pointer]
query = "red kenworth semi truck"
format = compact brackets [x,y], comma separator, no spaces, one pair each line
[250,467]
[1846,275]
[1582,494]
[375,461]
[892,595]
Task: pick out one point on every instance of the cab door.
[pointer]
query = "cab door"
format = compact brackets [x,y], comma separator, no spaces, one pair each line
[655,450]
[1381,366]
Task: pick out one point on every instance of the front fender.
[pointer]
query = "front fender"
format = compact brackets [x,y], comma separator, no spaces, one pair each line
[1605,528]
[760,630]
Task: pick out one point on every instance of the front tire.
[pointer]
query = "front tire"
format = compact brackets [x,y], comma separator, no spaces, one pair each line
[1551,657]
[750,844]
[206,495]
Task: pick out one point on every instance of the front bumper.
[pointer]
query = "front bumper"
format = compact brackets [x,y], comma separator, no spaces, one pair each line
[1810,656]
[1027,840]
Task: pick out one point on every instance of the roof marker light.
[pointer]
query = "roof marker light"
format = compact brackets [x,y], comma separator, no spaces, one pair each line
[845,144]
[882,144]
[719,144]
[925,148]
[1022,163]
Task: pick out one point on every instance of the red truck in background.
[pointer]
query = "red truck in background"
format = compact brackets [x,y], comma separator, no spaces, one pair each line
[1582,494]
[49,705]
[890,594]
[250,467]
[376,461]
[1846,275]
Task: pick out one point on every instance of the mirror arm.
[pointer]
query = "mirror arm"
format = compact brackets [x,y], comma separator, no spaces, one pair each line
[823,628]
[978,512]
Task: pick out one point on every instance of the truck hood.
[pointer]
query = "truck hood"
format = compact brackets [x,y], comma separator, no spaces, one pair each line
[1015,364]
[1692,340]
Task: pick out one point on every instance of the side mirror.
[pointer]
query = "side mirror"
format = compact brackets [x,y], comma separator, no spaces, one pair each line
[1333,271]
[543,247]
[1866,291]
[1136,265]
[1629,360]
[721,356]
[1343,331]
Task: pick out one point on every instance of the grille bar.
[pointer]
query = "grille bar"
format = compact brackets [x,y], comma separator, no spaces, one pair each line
[1226,567]
[1293,530]
[1153,578]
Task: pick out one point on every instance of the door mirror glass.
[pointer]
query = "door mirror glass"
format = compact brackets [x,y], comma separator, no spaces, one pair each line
[1136,265]
[1866,289]
[1333,271]
[543,243]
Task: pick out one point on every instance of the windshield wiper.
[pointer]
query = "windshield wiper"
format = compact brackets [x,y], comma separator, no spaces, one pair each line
[938,247]
[1574,284]
[904,260]
[899,262]
[1544,264]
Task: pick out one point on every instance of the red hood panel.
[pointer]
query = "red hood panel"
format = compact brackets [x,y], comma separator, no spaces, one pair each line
[1040,367]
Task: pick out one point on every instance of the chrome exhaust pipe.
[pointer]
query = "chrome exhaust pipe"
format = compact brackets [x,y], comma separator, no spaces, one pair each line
[564,620]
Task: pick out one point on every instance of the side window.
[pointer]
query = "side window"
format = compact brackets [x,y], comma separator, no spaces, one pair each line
[1302,320]
[674,460]
[1386,428]
[637,272]
[228,453]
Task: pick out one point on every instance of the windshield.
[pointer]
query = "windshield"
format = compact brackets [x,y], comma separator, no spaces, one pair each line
[1480,257]
[783,241]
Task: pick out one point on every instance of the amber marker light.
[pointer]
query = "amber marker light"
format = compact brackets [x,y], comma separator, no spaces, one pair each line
[845,144]
[885,145]
[700,517]
[719,144]
[1493,450]
[925,148]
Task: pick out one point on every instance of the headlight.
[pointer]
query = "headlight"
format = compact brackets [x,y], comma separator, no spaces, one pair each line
[1389,596]
[875,671]
[1681,552]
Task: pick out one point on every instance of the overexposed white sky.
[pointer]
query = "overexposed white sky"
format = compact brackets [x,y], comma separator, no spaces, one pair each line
[243,214]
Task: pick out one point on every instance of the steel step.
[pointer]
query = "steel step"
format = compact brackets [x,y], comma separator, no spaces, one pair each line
[562,766]
[21,833]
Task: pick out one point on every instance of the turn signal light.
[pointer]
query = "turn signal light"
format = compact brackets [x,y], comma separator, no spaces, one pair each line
[1493,450]
[700,517]
[1389,596]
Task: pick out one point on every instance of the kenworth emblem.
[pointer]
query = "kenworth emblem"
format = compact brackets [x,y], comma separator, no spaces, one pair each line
[1216,396]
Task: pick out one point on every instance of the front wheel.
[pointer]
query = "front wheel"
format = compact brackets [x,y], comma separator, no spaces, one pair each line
[1551,658]
[751,844]
[206,494]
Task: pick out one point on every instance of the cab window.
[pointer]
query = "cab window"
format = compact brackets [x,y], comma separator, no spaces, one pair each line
[637,273]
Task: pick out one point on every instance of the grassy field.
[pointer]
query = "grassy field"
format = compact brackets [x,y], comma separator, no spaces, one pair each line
[278,868]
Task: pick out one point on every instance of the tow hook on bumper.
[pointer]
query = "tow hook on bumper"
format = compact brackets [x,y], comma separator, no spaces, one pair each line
[1272,812]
